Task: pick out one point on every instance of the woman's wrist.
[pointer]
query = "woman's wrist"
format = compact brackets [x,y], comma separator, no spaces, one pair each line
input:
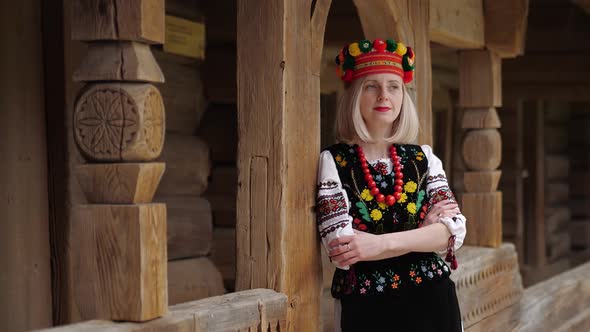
[393,244]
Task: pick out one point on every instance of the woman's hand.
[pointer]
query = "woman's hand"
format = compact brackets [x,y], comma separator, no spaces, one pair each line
[439,210]
[361,246]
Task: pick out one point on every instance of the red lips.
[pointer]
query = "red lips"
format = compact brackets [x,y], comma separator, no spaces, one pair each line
[382,109]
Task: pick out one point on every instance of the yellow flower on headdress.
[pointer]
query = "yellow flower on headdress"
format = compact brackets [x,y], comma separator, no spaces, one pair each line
[376,214]
[354,50]
[401,48]
[366,195]
[412,208]
[410,186]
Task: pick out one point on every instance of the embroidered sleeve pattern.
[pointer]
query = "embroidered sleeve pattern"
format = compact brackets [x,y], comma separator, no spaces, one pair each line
[438,190]
[333,216]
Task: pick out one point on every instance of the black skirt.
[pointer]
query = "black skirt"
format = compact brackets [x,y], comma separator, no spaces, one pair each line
[431,306]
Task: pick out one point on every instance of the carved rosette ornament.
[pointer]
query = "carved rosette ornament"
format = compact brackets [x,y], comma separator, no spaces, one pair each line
[120,122]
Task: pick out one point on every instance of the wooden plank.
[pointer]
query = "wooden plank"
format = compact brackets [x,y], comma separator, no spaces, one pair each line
[537,68]
[505,26]
[484,210]
[120,183]
[120,261]
[25,289]
[183,92]
[457,24]
[557,300]
[187,166]
[557,218]
[123,61]
[137,20]
[556,166]
[193,279]
[487,281]
[408,21]
[223,253]
[220,118]
[190,226]
[558,245]
[534,184]
[480,79]
[280,78]
[580,233]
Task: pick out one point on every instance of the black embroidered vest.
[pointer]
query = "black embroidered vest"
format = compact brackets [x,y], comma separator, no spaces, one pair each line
[390,275]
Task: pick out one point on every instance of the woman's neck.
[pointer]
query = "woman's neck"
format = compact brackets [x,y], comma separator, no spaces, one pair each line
[374,151]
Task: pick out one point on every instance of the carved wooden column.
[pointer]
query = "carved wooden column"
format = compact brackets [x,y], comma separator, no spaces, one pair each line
[118,124]
[480,94]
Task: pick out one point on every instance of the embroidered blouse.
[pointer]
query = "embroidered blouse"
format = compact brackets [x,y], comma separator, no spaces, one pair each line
[345,203]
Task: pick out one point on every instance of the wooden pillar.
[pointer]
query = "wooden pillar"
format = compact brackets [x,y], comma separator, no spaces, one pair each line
[25,271]
[278,150]
[479,95]
[407,21]
[119,238]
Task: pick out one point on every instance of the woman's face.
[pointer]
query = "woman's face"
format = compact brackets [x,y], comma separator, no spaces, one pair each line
[381,100]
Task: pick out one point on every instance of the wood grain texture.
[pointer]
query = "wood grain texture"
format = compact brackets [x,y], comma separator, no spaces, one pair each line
[193,279]
[136,20]
[122,61]
[120,122]
[505,26]
[406,21]
[484,214]
[482,149]
[557,301]
[190,226]
[187,166]
[223,252]
[278,123]
[487,281]
[120,261]
[480,79]
[485,118]
[457,24]
[122,183]
[182,93]
[25,276]
[485,181]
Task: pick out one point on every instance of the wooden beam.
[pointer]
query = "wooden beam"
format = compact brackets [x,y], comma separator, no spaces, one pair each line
[25,286]
[505,26]
[278,118]
[457,24]
[480,77]
[407,21]
[546,306]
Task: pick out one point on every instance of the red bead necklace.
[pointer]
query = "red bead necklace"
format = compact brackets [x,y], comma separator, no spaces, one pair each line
[398,175]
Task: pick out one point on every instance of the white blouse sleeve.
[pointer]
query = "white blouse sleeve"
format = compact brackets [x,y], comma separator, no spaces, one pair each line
[437,189]
[333,206]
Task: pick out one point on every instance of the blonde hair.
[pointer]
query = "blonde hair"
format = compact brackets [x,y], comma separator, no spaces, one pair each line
[350,125]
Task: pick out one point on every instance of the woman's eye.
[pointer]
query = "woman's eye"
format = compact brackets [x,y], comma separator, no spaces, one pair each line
[371,86]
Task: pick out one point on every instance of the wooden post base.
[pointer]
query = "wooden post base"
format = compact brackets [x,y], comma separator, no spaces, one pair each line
[484,218]
[119,261]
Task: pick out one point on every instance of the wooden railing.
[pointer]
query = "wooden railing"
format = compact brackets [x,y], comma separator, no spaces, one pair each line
[250,310]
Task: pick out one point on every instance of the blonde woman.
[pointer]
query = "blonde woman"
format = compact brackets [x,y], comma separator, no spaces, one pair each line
[384,204]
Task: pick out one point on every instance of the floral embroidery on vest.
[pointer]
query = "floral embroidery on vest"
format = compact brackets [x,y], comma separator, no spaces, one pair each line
[390,275]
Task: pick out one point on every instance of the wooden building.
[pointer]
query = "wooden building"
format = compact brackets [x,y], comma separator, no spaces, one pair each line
[160,158]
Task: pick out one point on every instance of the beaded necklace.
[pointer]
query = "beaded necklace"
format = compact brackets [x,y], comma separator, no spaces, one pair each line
[372,185]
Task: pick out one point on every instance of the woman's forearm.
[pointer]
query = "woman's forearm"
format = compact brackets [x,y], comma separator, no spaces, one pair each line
[425,239]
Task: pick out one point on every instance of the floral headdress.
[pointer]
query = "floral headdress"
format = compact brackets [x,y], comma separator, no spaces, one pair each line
[380,56]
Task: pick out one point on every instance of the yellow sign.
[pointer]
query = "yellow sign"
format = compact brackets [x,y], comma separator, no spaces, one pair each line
[184,37]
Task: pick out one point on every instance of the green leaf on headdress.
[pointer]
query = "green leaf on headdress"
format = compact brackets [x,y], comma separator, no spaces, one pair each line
[348,62]
[406,63]
[391,45]
[365,45]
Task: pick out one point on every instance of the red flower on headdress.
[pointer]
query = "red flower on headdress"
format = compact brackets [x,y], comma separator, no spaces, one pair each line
[379,45]
[347,76]
[408,76]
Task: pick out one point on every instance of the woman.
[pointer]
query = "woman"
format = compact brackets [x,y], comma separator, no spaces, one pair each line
[384,205]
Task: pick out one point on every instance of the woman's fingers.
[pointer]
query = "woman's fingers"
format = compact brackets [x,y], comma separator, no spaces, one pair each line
[341,240]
